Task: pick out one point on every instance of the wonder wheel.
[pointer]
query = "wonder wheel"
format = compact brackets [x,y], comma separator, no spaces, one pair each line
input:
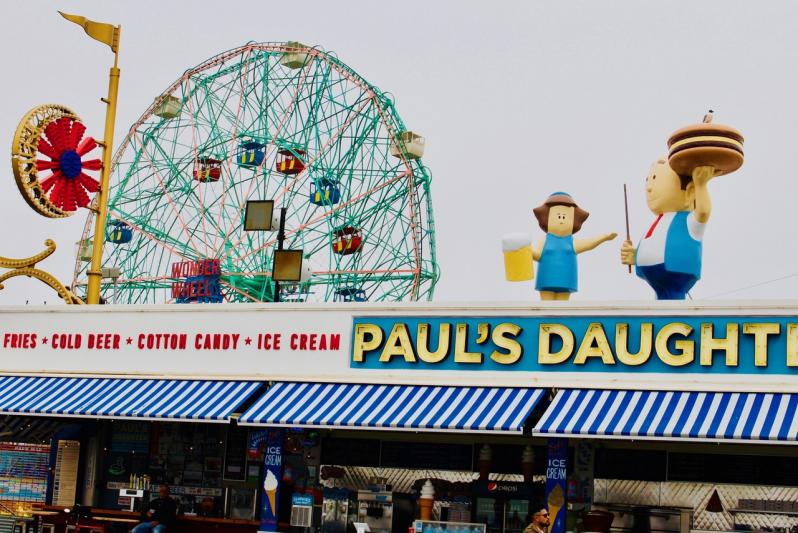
[281,122]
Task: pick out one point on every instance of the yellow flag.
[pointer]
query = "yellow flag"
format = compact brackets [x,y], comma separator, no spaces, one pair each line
[100,31]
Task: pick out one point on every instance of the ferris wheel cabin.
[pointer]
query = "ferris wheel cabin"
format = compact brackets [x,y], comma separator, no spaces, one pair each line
[289,162]
[325,192]
[250,154]
[294,58]
[207,169]
[348,240]
[349,294]
[408,143]
[168,107]
[119,232]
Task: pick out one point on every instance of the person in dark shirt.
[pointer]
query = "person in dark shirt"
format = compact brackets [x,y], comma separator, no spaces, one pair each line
[161,513]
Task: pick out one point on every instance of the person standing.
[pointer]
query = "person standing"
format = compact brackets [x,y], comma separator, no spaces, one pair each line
[161,514]
[540,521]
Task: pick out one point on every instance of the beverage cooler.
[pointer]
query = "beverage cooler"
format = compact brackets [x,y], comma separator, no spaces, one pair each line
[432,526]
[505,507]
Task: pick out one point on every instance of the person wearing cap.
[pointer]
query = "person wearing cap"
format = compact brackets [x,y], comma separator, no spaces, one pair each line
[560,218]
[668,257]
[540,520]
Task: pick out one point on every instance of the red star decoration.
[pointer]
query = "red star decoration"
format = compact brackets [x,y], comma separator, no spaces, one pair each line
[130,340]
[44,340]
[68,184]
[247,341]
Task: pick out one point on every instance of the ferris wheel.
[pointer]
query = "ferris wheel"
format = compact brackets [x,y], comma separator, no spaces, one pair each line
[269,121]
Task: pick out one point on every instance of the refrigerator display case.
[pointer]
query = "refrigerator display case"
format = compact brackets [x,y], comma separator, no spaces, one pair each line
[432,526]
[504,507]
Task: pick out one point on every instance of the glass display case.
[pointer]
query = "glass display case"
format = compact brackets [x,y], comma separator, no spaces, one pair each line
[432,526]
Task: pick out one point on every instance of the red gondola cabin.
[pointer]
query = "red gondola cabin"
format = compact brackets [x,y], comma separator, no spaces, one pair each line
[289,162]
[348,240]
[207,169]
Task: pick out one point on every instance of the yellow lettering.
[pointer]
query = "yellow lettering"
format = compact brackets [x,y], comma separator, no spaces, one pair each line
[367,338]
[622,344]
[398,343]
[594,344]
[460,343]
[792,344]
[685,348]
[440,353]
[482,332]
[545,355]
[728,344]
[760,331]
[501,338]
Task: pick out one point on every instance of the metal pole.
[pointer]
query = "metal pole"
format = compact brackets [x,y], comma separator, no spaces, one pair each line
[95,273]
[280,240]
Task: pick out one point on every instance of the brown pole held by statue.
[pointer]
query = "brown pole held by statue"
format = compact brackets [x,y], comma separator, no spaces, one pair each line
[626,210]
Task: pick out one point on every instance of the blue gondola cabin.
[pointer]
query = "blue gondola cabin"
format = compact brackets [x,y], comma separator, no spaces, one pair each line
[207,169]
[250,154]
[348,240]
[325,192]
[290,162]
[350,294]
[119,232]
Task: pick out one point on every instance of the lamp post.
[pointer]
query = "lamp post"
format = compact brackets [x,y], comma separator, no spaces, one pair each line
[108,34]
[286,264]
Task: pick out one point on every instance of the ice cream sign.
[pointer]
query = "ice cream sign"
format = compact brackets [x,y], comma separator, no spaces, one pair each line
[689,344]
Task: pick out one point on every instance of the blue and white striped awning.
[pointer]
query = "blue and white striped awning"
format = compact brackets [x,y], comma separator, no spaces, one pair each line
[714,416]
[153,399]
[394,407]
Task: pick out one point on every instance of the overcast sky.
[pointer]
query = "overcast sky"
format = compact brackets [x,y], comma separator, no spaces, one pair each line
[516,100]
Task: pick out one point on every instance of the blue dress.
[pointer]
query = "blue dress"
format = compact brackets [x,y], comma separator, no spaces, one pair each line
[557,270]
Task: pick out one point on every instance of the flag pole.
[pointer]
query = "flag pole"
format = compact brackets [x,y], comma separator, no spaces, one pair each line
[95,270]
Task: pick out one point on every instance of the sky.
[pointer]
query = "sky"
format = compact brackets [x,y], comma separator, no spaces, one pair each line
[516,100]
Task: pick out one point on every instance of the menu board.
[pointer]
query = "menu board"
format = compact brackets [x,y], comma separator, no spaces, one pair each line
[350,452]
[644,465]
[23,472]
[130,436]
[65,480]
[432,455]
[742,469]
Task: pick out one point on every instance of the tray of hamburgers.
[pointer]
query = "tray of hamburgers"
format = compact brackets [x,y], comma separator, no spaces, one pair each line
[705,144]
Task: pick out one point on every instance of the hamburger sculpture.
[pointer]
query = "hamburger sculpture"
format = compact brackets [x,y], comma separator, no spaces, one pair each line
[705,144]
[668,256]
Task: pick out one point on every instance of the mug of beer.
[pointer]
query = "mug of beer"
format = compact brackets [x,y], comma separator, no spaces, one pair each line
[517,248]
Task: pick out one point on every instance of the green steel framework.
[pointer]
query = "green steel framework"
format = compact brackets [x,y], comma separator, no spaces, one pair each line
[345,125]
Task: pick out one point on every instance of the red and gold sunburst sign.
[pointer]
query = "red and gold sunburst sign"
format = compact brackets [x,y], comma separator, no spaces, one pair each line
[48,157]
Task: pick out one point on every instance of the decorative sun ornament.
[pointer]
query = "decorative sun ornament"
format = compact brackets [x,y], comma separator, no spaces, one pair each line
[55,132]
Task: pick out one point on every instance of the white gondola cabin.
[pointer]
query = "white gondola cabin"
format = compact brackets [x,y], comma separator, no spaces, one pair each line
[84,249]
[413,144]
[295,57]
[168,107]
